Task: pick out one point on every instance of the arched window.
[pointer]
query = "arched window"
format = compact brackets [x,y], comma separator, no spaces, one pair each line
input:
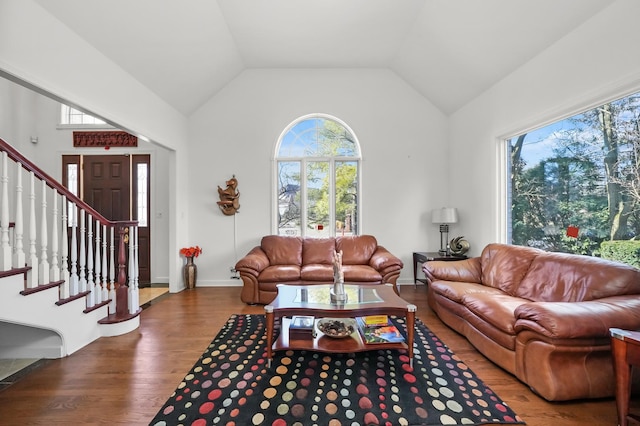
[317,172]
[72,117]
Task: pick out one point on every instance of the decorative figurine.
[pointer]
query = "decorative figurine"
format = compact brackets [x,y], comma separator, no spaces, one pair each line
[337,292]
[229,198]
[458,246]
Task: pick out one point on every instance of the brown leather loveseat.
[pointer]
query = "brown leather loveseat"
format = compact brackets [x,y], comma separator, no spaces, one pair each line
[296,260]
[544,317]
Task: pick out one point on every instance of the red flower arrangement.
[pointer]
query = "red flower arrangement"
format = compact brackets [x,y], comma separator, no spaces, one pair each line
[191,251]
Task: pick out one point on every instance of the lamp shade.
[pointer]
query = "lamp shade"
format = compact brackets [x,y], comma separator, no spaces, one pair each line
[445,215]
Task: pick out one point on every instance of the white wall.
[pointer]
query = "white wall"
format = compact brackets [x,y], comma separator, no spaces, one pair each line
[65,67]
[595,63]
[30,114]
[403,141]
[415,159]
[18,122]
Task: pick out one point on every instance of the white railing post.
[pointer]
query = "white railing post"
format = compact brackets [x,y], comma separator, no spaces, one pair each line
[43,269]
[32,282]
[82,260]
[5,248]
[133,298]
[98,282]
[112,273]
[54,274]
[19,260]
[74,279]
[136,270]
[91,286]
[64,253]
[105,280]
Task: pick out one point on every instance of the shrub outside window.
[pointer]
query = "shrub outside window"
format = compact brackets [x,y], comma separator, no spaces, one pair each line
[575,184]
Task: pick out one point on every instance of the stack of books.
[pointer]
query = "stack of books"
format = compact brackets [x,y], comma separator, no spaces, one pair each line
[301,327]
[378,329]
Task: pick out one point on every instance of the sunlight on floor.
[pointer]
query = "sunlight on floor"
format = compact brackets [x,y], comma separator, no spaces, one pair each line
[149,293]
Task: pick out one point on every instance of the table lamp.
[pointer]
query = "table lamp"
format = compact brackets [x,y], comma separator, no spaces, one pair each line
[444,217]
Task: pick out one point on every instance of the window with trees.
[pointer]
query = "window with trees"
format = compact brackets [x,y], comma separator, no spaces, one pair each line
[317,172]
[575,184]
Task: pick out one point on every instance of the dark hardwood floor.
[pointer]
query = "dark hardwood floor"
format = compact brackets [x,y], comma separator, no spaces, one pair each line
[126,379]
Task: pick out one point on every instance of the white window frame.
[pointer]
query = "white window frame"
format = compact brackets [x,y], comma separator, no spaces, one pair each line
[303,186]
[607,94]
[88,121]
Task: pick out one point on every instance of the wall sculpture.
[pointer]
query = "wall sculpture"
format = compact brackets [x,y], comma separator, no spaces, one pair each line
[229,197]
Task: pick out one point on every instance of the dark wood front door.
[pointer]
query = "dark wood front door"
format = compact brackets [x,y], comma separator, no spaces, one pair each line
[111,184]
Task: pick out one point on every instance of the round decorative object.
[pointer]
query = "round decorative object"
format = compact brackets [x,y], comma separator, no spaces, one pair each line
[337,327]
[458,246]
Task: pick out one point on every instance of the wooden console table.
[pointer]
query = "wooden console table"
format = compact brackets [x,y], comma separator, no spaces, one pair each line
[625,349]
[419,257]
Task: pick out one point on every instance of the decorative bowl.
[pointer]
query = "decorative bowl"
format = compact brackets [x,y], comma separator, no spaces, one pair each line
[337,328]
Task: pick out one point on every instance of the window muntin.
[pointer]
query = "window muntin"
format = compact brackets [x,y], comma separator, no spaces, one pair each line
[574,184]
[317,179]
[71,117]
[142,176]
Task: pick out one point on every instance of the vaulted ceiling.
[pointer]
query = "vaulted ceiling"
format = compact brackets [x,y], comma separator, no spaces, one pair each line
[448,50]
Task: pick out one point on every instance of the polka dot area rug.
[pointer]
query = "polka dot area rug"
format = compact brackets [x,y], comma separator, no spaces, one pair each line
[231,384]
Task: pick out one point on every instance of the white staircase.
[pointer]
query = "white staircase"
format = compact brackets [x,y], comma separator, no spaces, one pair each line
[78,279]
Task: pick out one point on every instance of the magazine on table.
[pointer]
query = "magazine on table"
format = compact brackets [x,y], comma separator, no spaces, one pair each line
[379,333]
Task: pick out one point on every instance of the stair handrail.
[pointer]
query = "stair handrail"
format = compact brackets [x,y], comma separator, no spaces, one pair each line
[27,164]
[122,226]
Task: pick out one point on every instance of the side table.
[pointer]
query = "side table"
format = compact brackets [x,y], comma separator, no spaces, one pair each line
[419,257]
[625,349]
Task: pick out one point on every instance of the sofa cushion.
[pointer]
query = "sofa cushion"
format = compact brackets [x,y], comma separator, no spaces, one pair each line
[318,251]
[493,315]
[280,273]
[456,290]
[317,272]
[561,277]
[283,250]
[504,266]
[360,273]
[356,249]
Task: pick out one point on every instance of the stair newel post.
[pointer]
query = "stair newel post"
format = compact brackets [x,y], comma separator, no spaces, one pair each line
[32,281]
[5,247]
[82,256]
[54,273]
[136,270]
[64,253]
[74,279]
[43,268]
[19,259]
[134,305]
[98,282]
[91,297]
[105,278]
[122,304]
[112,274]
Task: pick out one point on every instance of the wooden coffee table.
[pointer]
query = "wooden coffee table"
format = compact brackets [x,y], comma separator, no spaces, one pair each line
[314,300]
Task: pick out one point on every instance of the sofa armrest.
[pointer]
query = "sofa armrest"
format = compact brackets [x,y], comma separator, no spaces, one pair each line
[566,320]
[254,262]
[383,260]
[467,270]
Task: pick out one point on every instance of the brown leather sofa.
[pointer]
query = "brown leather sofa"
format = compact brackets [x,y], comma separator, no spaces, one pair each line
[544,317]
[296,260]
